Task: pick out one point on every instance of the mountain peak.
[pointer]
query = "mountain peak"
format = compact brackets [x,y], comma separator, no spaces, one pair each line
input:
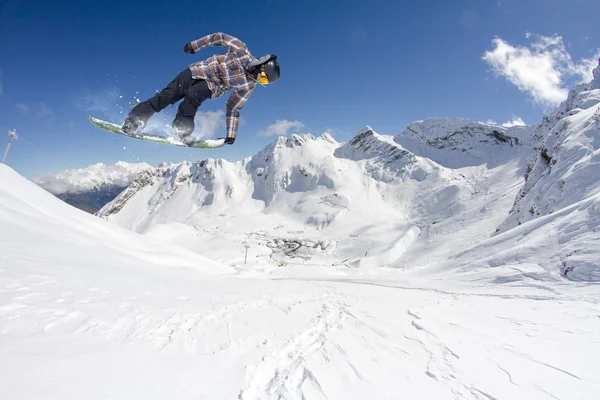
[364,134]
[460,142]
[326,136]
[457,133]
[294,140]
[366,130]
[367,144]
[299,139]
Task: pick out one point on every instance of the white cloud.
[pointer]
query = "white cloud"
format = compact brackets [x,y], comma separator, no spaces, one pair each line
[544,70]
[23,107]
[516,121]
[91,177]
[281,128]
[209,123]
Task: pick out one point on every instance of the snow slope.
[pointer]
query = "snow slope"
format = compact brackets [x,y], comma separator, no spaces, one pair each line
[90,310]
[561,196]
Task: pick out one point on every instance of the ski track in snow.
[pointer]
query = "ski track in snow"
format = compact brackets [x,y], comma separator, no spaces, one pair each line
[368,193]
[283,373]
[440,363]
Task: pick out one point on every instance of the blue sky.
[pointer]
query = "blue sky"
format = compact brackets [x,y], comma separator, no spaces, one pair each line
[345,64]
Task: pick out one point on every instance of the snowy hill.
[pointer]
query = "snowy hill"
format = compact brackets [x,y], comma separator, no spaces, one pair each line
[368,202]
[90,188]
[90,310]
[561,195]
[564,170]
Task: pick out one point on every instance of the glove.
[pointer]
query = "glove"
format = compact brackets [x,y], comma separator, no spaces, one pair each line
[229,140]
[188,48]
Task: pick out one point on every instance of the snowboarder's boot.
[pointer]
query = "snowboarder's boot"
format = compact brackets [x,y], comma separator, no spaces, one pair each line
[131,125]
[183,128]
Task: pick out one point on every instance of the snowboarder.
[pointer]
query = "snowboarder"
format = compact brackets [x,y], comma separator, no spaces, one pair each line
[236,69]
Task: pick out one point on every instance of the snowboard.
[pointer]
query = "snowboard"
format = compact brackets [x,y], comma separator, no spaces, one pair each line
[199,143]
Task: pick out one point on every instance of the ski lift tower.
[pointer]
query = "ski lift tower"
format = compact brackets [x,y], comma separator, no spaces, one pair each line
[11,135]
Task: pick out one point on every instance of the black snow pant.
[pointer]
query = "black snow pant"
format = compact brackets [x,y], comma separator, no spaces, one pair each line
[192,91]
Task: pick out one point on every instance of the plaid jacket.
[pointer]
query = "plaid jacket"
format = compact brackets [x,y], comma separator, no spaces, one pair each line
[226,71]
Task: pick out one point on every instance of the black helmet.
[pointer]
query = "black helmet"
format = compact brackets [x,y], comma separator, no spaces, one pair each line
[264,69]
[271,68]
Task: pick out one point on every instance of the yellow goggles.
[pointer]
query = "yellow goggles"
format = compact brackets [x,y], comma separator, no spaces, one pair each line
[262,78]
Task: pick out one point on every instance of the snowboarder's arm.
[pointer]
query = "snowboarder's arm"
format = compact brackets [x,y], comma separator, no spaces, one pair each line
[218,39]
[233,106]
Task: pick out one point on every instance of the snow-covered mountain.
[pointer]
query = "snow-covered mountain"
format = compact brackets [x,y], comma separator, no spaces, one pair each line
[424,198]
[91,188]
[91,310]
[459,142]
[561,194]
[364,203]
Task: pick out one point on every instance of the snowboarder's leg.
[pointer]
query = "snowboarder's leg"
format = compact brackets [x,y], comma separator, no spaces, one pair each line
[183,124]
[171,94]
